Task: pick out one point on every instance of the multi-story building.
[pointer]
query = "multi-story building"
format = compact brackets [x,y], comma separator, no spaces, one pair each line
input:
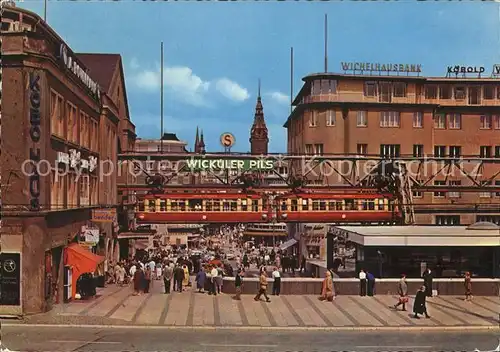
[392,116]
[61,116]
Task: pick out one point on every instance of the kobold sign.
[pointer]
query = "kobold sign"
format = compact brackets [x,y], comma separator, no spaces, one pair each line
[457,69]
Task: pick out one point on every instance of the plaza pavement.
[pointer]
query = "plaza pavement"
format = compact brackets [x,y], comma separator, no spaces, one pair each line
[193,309]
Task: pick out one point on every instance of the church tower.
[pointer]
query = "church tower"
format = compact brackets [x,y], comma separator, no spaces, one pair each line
[197,141]
[259,139]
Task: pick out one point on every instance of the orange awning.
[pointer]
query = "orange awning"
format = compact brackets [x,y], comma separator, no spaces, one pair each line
[82,261]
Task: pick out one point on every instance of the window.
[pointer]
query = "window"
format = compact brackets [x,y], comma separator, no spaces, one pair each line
[460,93]
[444,92]
[485,194]
[455,151]
[56,190]
[57,126]
[496,121]
[389,119]
[362,149]
[324,86]
[313,119]
[440,121]
[84,129]
[309,149]
[84,190]
[330,118]
[362,120]
[370,89]
[390,150]
[318,149]
[447,220]
[385,92]
[485,122]
[454,194]
[497,183]
[439,194]
[93,191]
[454,121]
[489,92]
[488,218]
[497,151]
[439,151]
[418,119]
[474,95]
[485,151]
[315,88]
[430,92]
[72,191]
[418,150]
[400,89]
[417,194]
[71,113]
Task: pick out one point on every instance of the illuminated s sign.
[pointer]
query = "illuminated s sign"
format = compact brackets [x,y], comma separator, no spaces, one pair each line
[377,67]
[463,70]
[229,164]
[79,72]
[227,140]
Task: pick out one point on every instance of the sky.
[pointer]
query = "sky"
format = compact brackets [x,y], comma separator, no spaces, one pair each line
[215,52]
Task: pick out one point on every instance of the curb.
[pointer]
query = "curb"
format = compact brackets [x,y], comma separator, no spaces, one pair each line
[265,328]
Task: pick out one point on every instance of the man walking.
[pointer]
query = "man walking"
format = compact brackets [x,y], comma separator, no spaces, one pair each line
[179,277]
[263,286]
[167,277]
[419,306]
[238,283]
[403,293]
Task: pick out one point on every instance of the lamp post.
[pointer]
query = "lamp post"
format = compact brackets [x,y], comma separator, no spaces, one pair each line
[380,259]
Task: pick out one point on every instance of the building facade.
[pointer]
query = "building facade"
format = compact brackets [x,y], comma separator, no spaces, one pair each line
[403,115]
[60,125]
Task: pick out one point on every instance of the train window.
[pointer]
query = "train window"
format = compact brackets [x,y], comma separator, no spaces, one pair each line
[163,205]
[234,205]
[216,206]
[322,205]
[315,204]
[140,205]
[225,205]
[174,205]
[244,205]
[255,205]
[182,205]
[349,204]
[295,205]
[194,204]
[284,206]
[368,204]
[331,205]
[152,205]
[305,204]
[208,205]
[381,205]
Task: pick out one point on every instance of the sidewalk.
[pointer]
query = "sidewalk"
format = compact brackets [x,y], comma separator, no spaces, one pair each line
[190,308]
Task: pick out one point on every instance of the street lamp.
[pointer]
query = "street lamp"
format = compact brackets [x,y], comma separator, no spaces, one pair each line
[380,262]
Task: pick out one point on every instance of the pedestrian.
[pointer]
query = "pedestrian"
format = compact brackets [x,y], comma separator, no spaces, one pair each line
[213,273]
[277,282]
[219,280]
[138,281]
[200,280]
[147,279]
[185,281]
[238,284]
[362,283]
[167,274]
[327,290]
[427,276]
[178,277]
[468,287]
[262,287]
[121,274]
[370,284]
[159,269]
[403,293]
[419,306]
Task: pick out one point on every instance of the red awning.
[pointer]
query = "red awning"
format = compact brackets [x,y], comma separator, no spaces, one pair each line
[82,261]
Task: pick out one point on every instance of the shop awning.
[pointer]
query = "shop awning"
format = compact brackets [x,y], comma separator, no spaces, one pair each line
[288,244]
[132,235]
[82,261]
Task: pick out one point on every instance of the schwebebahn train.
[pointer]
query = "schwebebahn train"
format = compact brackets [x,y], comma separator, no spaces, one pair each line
[261,208]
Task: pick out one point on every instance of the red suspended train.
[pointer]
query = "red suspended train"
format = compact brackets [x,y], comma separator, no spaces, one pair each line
[262,208]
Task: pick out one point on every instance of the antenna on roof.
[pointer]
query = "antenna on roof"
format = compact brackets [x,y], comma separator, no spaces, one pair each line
[326,43]
[45,11]
[161,99]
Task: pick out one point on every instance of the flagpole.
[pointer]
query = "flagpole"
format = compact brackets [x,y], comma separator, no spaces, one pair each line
[291,80]
[161,99]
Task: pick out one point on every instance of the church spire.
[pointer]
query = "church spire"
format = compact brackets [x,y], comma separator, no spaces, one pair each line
[201,143]
[259,135]
[196,141]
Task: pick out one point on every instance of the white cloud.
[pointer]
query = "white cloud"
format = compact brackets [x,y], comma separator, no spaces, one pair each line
[188,87]
[231,90]
[280,98]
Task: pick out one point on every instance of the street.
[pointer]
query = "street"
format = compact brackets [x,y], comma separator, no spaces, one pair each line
[78,339]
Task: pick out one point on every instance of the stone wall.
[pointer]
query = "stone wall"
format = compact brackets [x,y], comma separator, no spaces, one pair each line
[309,286]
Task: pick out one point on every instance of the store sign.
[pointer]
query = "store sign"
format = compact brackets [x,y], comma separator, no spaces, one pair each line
[377,67]
[496,70]
[104,215]
[457,69]
[89,235]
[34,97]
[10,279]
[74,160]
[79,72]
[229,164]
